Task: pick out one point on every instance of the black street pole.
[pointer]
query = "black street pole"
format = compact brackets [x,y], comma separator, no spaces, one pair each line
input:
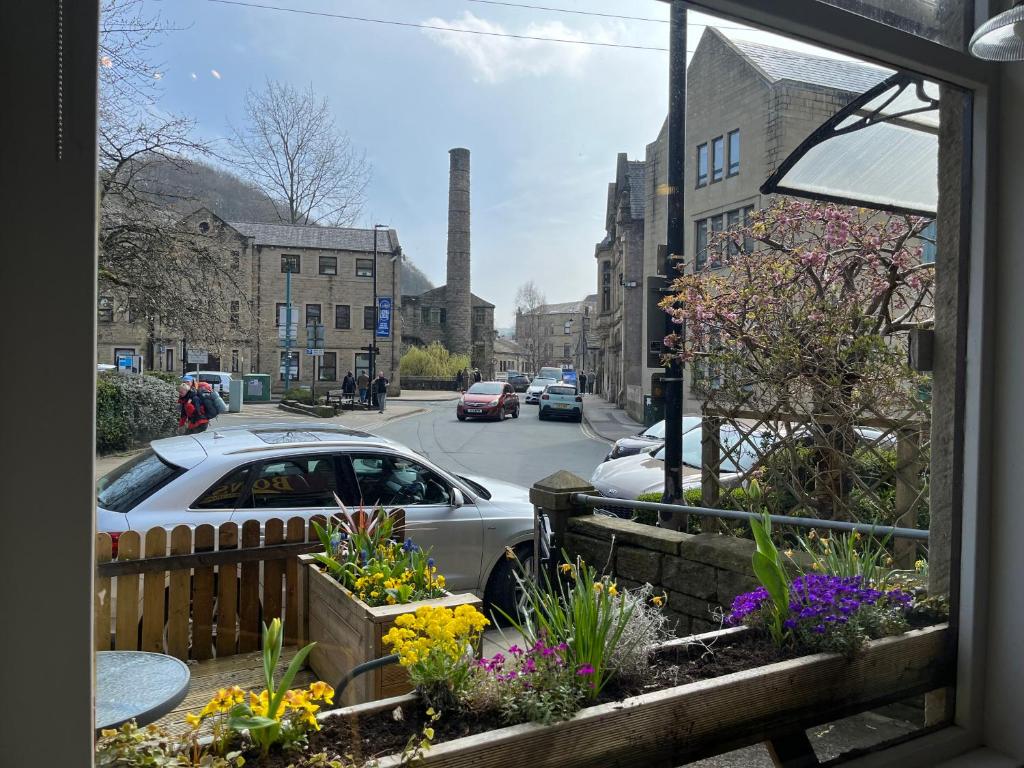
[373,331]
[676,246]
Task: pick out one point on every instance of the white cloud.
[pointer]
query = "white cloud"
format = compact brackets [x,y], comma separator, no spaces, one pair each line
[494,59]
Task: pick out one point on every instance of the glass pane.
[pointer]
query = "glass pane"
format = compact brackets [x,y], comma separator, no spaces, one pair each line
[226,493]
[942,21]
[393,480]
[296,482]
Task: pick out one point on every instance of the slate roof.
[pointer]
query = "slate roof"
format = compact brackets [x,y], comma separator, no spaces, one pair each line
[785,64]
[636,170]
[508,346]
[437,296]
[328,238]
[565,307]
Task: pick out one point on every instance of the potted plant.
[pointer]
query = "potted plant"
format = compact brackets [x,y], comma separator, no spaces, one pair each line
[356,588]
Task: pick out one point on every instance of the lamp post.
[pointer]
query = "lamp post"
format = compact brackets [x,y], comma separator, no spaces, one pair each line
[376,311]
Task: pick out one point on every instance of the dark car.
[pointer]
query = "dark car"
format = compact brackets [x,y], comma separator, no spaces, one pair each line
[488,400]
[652,437]
[519,381]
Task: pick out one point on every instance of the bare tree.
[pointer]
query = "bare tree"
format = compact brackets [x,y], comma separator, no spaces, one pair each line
[150,266]
[529,302]
[291,148]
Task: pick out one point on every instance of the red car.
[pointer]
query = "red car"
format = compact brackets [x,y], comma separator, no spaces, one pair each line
[488,400]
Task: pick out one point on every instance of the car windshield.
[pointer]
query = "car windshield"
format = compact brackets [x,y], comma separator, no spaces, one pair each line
[542,382]
[485,388]
[562,390]
[133,481]
[655,432]
[743,455]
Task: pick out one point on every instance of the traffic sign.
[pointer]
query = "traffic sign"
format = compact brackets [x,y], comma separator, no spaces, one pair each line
[315,351]
[374,349]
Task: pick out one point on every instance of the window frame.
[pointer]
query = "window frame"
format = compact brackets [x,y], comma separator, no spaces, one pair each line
[328,259]
[348,317]
[321,367]
[361,268]
[369,317]
[702,155]
[289,258]
[730,169]
[319,313]
[104,314]
[700,255]
[717,159]
[297,367]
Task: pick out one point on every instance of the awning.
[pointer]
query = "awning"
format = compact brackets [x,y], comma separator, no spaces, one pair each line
[880,151]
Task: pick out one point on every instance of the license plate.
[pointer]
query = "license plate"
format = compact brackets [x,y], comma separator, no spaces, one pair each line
[474,410]
[561,405]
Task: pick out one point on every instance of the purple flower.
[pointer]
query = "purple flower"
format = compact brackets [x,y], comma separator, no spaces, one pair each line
[515,650]
[585,670]
[530,666]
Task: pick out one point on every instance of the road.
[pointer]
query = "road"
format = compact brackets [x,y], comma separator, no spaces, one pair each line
[519,451]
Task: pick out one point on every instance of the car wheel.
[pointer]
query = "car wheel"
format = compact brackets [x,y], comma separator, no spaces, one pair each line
[540,414]
[462,417]
[504,592]
[515,413]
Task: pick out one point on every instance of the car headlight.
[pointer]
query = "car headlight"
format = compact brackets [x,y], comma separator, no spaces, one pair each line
[492,403]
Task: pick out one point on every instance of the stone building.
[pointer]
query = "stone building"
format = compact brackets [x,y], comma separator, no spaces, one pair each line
[620,268]
[748,105]
[508,356]
[451,314]
[332,282]
[556,334]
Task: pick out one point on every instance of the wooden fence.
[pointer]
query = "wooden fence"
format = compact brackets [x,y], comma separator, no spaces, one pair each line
[206,593]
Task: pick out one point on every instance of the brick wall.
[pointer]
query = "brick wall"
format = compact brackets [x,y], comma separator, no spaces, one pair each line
[700,574]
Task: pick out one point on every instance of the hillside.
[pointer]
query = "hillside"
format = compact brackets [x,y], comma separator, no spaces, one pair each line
[183,187]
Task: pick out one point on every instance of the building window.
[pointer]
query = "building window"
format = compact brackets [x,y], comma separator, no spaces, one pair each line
[732,223]
[567,327]
[312,314]
[234,315]
[204,227]
[290,263]
[928,244]
[362,364]
[106,309]
[425,315]
[442,316]
[734,153]
[566,350]
[702,165]
[234,361]
[279,310]
[328,265]
[328,367]
[294,368]
[717,158]
[479,316]
[364,267]
[236,260]
[168,359]
[700,244]
[746,213]
[369,319]
[717,224]
[342,317]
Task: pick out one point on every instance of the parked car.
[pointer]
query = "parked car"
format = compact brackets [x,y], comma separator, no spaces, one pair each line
[561,401]
[219,380]
[488,400]
[293,470]
[631,476]
[520,381]
[652,437]
[537,387]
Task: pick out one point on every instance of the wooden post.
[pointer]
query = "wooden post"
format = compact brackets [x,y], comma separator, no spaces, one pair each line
[710,464]
[908,491]
[553,495]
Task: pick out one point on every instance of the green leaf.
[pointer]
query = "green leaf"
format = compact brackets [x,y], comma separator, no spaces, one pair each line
[768,573]
[252,722]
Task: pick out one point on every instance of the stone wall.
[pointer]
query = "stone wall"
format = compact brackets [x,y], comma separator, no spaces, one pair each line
[699,574]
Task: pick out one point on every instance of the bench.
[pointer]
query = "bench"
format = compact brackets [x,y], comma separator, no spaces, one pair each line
[345,402]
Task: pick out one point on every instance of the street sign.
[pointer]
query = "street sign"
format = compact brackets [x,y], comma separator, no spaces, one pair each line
[315,351]
[375,349]
[286,330]
[383,317]
[198,356]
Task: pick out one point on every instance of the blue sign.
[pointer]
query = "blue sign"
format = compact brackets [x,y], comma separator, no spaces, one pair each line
[383,316]
[569,377]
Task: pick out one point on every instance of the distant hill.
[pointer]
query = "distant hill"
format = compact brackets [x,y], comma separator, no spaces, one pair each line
[183,187]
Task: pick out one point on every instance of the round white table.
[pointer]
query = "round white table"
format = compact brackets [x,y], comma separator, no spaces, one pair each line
[135,685]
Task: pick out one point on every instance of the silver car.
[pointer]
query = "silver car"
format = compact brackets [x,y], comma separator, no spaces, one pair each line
[537,387]
[294,470]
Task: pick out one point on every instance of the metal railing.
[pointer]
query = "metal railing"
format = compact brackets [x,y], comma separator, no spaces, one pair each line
[599,502]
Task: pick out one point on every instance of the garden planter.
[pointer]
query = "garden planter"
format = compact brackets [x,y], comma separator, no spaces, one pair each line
[674,725]
[348,632]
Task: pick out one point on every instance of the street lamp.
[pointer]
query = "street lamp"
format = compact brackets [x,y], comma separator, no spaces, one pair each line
[376,312]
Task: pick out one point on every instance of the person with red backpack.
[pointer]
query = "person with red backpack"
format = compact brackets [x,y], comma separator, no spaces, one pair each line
[193,415]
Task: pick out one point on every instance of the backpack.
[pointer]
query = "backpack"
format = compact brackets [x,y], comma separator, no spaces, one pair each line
[222,407]
[209,400]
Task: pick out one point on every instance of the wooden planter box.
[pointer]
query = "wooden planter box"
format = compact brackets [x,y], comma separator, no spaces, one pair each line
[676,725]
[349,632]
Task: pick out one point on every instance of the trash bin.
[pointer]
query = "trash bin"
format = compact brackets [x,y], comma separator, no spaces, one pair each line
[235,390]
[256,388]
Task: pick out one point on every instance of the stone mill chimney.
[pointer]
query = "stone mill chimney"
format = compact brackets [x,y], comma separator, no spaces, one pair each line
[458,298]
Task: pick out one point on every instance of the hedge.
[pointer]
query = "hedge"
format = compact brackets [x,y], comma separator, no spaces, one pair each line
[132,410]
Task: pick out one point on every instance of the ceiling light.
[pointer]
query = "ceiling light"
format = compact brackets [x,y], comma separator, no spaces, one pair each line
[1001,38]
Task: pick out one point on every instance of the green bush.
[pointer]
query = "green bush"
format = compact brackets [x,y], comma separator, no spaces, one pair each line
[433,361]
[170,378]
[299,395]
[133,409]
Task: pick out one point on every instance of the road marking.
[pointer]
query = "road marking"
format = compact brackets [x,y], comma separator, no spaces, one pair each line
[587,432]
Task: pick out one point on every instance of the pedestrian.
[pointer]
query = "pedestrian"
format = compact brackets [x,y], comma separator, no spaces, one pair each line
[364,384]
[348,386]
[583,383]
[459,381]
[380,389]
[192,413]
[476,375]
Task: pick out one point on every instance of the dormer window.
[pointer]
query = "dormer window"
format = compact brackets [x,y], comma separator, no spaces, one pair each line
[204,227]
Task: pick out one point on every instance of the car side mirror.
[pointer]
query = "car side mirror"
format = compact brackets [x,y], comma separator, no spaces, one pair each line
[458,500]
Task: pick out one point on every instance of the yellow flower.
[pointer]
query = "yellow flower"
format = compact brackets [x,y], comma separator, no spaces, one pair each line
[613,590]
[430,712]
[789,553]
[658,600]
[321,690]
[428,732]
[598,587]
[565,567]
[816,566]
[108,733]
[193,720]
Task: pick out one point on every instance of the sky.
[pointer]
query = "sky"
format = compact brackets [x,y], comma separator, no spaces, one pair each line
[543,121]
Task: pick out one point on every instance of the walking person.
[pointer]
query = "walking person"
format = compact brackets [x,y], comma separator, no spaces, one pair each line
[476,375]
[380,389]
[460,381]
[348,386]
[192,413]
[364,383]
[583,383]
